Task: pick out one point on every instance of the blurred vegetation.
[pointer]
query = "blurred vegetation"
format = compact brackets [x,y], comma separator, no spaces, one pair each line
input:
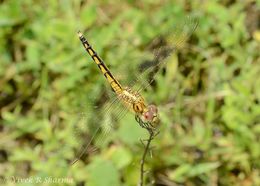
[208,95]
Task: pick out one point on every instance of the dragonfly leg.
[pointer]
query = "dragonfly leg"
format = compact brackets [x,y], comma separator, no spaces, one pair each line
[146,125]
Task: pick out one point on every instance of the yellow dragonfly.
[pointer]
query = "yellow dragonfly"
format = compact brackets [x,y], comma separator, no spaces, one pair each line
[145,114]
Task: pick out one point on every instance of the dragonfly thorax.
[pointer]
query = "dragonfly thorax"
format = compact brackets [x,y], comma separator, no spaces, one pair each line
[133,100]
[136,103]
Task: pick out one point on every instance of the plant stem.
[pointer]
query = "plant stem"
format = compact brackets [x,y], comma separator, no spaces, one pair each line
[144,156]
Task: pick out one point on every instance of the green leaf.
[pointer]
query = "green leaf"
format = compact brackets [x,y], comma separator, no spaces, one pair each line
[88,15]
[102,172]
[203,168]
[121,157]
[179,173]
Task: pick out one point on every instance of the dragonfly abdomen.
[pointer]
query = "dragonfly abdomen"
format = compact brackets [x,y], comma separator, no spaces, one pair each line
[115,85]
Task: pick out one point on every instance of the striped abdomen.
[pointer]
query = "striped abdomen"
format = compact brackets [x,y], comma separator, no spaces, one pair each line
[117,88]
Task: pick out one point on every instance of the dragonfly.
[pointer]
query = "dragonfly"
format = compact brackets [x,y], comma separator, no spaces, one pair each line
[146,115]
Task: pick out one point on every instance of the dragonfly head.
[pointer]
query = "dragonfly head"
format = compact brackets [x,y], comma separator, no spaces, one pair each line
[150,115]
[146,115]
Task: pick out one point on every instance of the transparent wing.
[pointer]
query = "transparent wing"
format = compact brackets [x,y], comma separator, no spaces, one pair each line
[98,126]
[162,47]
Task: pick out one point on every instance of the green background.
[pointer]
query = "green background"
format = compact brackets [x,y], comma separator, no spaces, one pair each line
[208,95]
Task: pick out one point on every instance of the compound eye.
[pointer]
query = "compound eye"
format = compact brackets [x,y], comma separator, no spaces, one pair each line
[138,108]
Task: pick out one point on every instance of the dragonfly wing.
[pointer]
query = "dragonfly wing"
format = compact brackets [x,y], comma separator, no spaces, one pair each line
[99,126]
[162,47]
